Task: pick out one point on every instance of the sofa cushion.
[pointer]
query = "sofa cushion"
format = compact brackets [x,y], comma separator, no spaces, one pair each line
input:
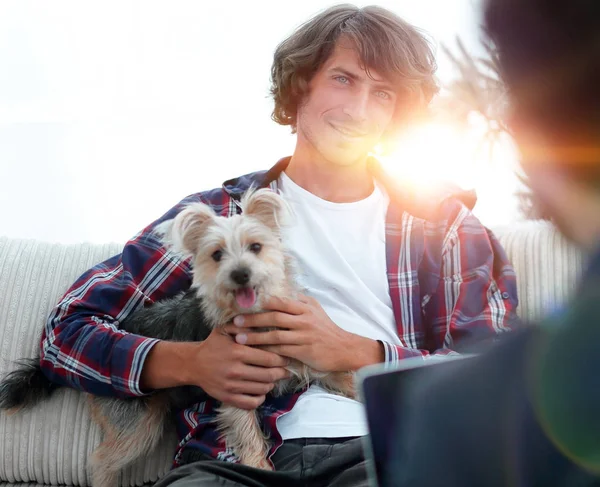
[50,444]
[548,266]
[21,484]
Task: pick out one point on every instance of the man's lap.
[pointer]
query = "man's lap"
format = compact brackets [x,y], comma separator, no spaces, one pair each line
[318,462]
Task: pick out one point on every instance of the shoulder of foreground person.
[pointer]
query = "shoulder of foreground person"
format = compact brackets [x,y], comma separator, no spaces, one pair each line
[524,413]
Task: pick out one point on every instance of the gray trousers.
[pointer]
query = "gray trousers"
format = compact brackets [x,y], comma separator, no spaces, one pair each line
[332,462]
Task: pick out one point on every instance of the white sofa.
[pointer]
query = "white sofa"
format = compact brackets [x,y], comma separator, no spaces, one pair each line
[50,444]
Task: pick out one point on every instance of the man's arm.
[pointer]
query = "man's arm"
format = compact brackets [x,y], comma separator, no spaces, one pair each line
[82,345]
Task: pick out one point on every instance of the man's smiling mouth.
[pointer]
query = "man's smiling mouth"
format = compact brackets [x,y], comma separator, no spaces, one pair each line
[348,132]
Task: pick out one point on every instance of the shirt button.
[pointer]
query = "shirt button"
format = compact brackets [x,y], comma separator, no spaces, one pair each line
[505,295]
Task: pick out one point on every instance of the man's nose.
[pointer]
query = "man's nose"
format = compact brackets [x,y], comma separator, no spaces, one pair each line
[357,106]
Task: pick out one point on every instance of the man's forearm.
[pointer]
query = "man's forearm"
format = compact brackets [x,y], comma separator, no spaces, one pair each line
[362,351]
[75,345]
[165,365]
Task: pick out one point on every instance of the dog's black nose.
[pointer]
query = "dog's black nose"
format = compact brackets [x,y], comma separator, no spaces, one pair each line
[241,276]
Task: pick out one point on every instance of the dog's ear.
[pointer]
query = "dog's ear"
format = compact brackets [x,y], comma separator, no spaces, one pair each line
[183,233]
[268,207]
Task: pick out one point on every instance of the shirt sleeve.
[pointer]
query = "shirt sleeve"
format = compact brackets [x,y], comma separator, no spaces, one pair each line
[475,297]
[82,345]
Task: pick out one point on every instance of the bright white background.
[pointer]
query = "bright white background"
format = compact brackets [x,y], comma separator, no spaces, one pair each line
[113,111]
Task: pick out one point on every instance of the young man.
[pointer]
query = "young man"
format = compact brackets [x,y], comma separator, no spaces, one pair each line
[388,276]
[527,413]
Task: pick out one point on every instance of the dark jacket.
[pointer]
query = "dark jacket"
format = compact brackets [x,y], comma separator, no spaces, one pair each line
[526,413]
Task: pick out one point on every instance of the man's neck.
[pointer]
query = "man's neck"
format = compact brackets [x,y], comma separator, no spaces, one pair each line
[331,182]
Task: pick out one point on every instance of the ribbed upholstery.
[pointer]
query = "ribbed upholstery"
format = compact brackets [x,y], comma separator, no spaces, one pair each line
[50,444]
[547,265]
[21,484]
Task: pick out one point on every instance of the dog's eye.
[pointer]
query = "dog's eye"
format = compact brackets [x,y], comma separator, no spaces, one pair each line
[255,247]
[217,255]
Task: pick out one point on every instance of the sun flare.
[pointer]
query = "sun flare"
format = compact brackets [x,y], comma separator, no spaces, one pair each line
[434,153]
[437,153]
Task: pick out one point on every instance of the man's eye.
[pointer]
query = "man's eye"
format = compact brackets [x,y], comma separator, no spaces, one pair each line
[342,79]
[255,247]
[383,95]
[217,255]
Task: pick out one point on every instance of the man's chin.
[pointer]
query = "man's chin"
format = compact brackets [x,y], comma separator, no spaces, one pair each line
[347,156]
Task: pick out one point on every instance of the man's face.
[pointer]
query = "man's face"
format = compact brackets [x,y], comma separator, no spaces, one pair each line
[346,112]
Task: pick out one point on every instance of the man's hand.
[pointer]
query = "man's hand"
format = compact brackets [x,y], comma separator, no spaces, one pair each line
[307,334]
[235,374]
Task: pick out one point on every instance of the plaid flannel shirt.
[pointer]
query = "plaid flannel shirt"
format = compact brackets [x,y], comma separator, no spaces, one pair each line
[449,279]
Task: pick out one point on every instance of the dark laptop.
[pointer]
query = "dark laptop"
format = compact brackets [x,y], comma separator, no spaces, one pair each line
[379,386]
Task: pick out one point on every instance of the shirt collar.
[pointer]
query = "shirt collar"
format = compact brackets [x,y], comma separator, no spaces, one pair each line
[236,187]
[416,201]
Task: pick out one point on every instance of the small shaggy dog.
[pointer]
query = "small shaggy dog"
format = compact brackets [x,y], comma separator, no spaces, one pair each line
[237,263]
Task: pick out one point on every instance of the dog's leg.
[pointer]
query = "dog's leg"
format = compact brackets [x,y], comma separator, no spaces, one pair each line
[341,383]
[242,433]
[130,429]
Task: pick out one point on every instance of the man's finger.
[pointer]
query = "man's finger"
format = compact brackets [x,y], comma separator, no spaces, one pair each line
[285,305]
[291,351]
[263,375]
[265,320]
[304,299]
[262,358]
[250,388]
[274,337]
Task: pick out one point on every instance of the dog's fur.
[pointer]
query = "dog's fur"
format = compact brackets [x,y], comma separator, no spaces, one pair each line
[234,260]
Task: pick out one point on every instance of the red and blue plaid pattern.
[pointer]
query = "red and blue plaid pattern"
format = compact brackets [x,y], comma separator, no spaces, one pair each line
[450,283]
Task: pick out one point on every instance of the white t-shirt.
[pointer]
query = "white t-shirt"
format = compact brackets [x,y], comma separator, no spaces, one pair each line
[340,251]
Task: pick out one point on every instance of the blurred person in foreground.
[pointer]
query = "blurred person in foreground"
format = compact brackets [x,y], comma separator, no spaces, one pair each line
[527,413]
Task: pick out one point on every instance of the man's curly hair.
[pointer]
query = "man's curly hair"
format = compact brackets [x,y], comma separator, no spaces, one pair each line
[386,44]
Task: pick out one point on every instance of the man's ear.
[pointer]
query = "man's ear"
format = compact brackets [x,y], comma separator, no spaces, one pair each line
[268,207]
[183,233]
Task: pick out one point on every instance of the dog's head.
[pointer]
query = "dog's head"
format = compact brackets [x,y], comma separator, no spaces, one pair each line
[236,261]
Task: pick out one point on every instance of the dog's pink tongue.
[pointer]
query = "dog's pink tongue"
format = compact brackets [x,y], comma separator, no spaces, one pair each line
[245,297]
